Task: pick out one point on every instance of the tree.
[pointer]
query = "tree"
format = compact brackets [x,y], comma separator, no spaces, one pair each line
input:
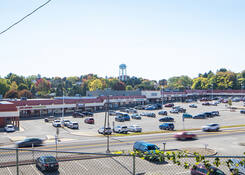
[200,83]
[25,93]
[129,88]
[243,74]
[222,70]
[4,86]
[22,86]
[95,84]
[182,82]
[119,86]
[12,94]
[59,90]
[43,85]
[13,86]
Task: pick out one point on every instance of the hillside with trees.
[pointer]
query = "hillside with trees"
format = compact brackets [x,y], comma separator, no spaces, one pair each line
[35,86]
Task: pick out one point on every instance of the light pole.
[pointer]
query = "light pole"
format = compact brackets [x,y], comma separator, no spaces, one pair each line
[212,91]
[107,125]
[162,95]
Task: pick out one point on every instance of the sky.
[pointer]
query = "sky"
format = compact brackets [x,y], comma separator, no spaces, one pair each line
[156,39]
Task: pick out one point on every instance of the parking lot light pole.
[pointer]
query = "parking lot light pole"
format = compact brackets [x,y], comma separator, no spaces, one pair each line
[212,91]
[107,125]
[164,144]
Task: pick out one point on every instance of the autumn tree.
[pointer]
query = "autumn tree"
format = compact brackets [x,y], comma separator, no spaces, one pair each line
[95,84]
[4,86]
[12,94]
[25,93]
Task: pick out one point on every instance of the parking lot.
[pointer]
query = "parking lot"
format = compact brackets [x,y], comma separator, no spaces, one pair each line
[39,128]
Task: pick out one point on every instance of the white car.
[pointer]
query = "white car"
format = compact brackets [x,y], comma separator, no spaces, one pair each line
[121,129]
[211,127]
[9,128]
[135,128]
[57,123]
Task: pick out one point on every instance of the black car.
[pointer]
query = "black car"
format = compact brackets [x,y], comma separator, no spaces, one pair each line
[166,119]
[87,113]
[215,113]
[28,142]
[162,113]
[78,114]
[208,114]
[199,116]
[47,163]
[242,111]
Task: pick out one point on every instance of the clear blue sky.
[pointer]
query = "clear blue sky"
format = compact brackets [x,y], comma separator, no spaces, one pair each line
[156,39]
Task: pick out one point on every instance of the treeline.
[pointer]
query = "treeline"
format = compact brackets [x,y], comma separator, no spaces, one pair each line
[15,86]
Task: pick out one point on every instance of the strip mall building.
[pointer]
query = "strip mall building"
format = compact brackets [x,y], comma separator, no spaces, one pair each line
[12,110]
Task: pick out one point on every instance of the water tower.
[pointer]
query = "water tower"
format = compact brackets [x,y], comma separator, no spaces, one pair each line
[123,72]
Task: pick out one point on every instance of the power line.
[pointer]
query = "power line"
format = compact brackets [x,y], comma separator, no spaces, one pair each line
[25,17]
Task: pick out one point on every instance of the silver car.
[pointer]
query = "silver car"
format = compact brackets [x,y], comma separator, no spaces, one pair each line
[135,128]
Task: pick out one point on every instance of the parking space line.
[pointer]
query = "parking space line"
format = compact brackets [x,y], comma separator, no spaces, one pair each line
[81,166]
[35,169]
[9,171]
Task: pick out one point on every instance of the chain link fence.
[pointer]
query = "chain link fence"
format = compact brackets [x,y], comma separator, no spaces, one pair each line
[22,162]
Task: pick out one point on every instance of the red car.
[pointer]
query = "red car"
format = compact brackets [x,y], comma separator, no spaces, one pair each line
[89,120]
[185,136]
[202,170]
[169,105]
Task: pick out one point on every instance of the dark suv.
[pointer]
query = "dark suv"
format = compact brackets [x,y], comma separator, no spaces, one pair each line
[167,126]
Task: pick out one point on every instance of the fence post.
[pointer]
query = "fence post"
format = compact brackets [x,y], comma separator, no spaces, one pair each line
[133,164]
[17,161]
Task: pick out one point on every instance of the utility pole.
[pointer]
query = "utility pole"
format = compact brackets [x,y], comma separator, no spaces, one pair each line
[107,124]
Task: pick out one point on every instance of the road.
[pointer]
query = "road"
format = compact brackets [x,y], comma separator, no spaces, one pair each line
[98,144]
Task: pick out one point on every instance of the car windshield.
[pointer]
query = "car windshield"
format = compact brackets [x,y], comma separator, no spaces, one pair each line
[49,159]
[10,126]
[152,147]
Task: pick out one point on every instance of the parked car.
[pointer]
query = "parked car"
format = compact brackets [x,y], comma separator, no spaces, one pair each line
[105,131]
[237,166]
[208,114]
[199,116]
[211,127]
[188,100]
[185,136]
[215,113]
[206,104]
[166,119]
[202,170]
[9,128]
[169,105]
[131,111]
[123,109]
[134,128]
[163,112]
[73,125]
[175,111]
[185,115]
[119,118]
[51,118]
[47,163]
[148,114]
[78,115]
[113,113]
[151,107]
[89,120]
[167,126]
[242,111]
[193,106]
[66,122]
[28,142]
[56,123]
[121,129]
[126,117]
[143,147]
[87,113]
[136,116]
[140,107]
[179,109]
[158,106]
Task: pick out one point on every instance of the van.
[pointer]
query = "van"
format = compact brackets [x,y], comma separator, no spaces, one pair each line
[73,125]
[145,147]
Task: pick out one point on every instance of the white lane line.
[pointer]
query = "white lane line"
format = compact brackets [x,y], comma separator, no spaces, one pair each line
[62,170]
[9,171]
[184,172]
[82,166]
[35,169]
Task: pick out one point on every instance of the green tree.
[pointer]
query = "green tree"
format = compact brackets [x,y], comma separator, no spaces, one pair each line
[14,86]
[200,83]
[182,82]
[129,88]
[22,86]
[4,86]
